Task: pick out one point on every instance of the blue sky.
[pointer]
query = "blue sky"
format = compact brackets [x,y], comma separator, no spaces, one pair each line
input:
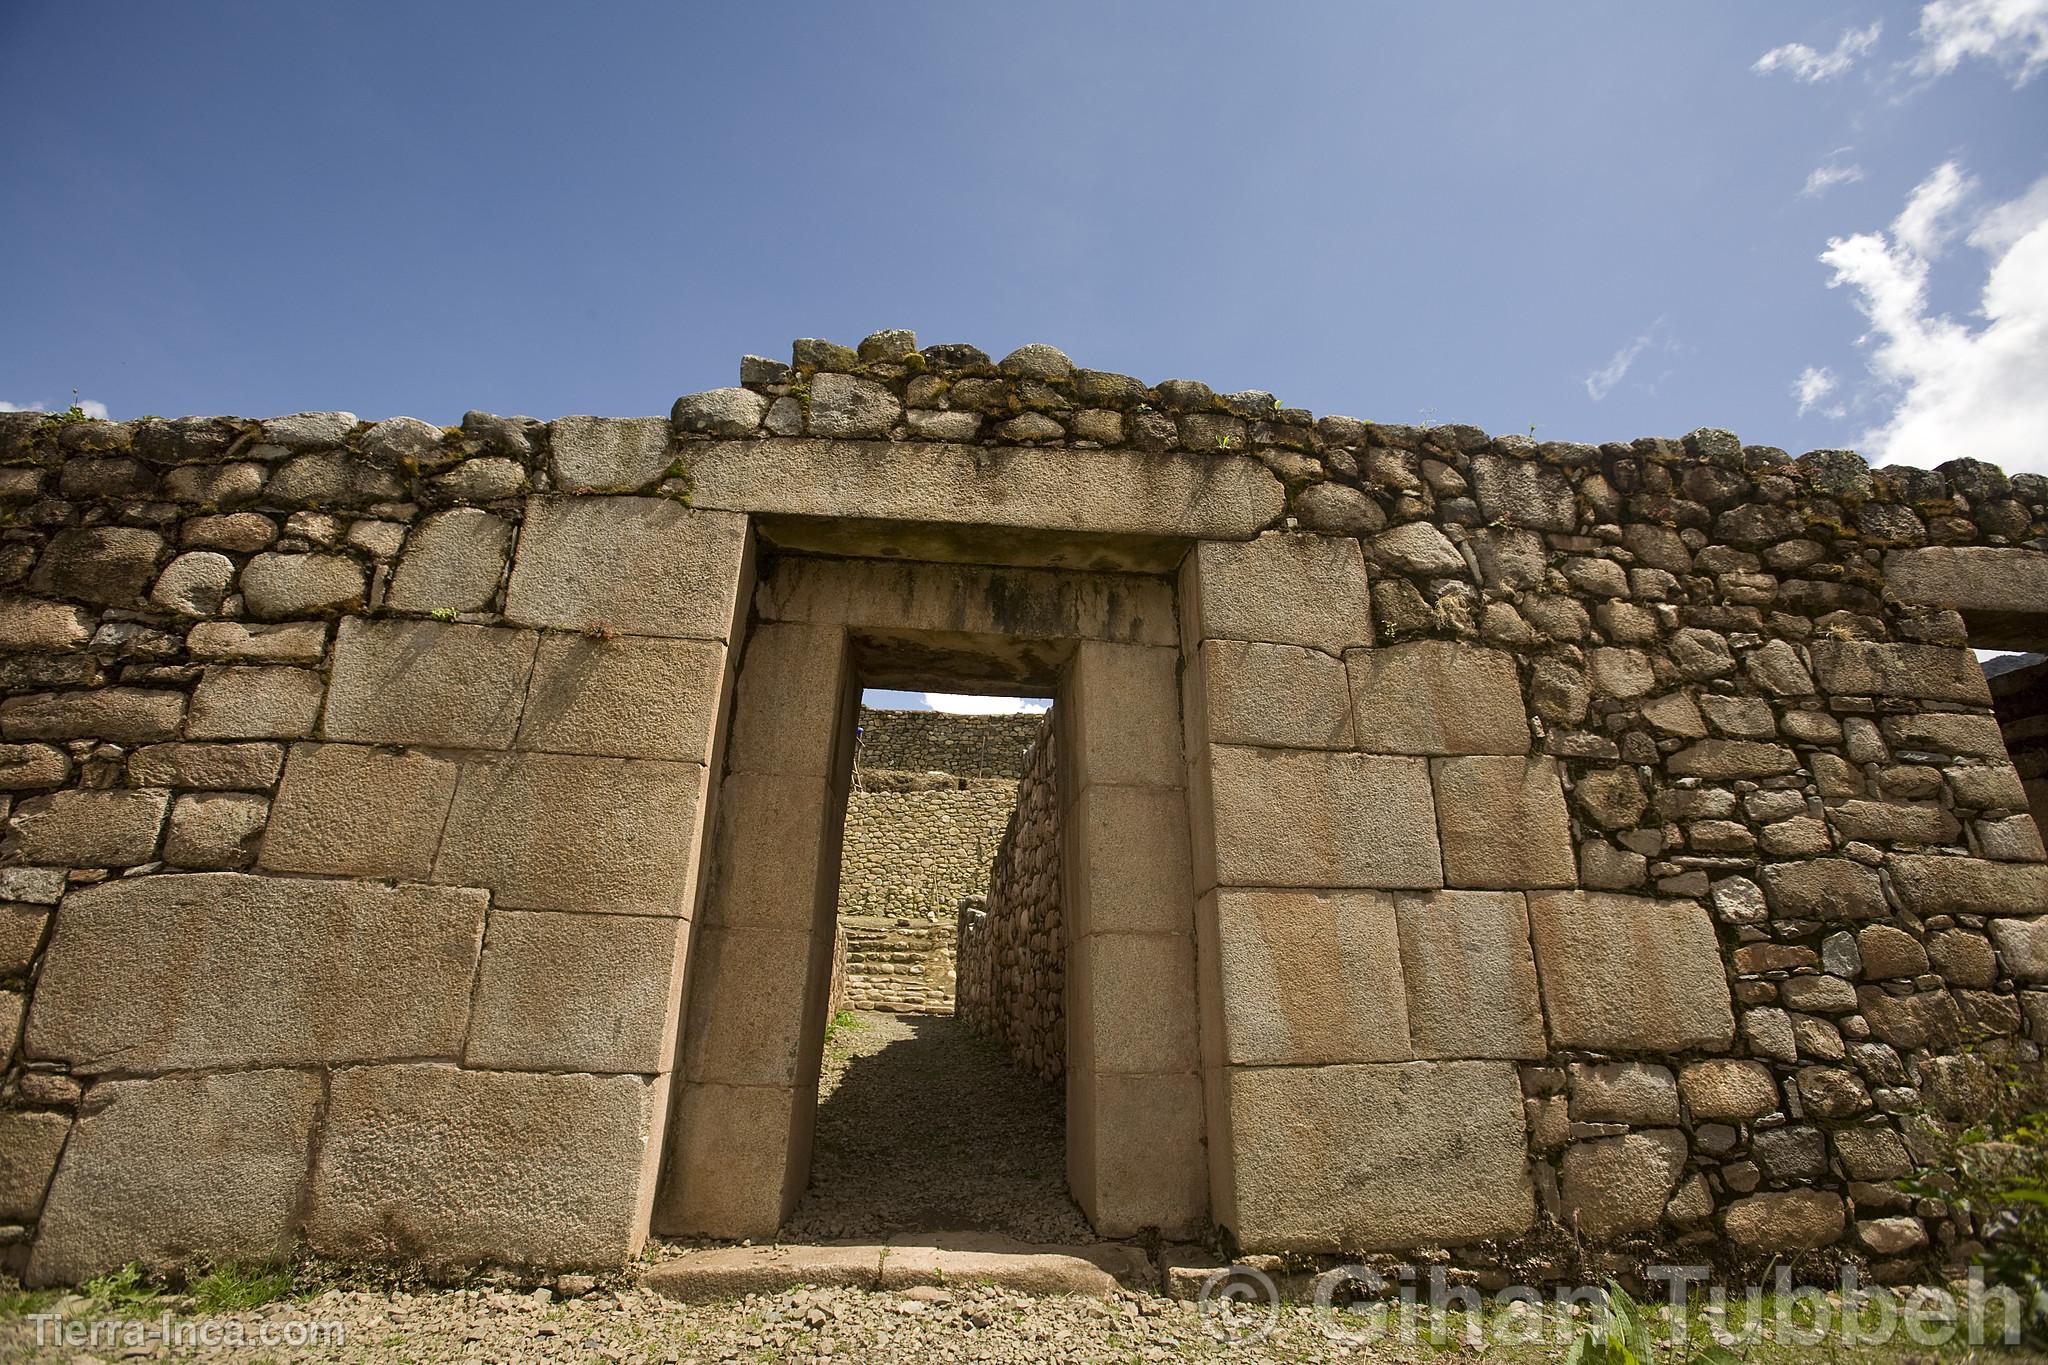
[1601,219]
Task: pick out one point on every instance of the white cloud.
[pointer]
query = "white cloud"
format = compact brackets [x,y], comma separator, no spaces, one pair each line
[1601,382]
[6,406]
[963,704]
[1808,65]
[1957,390]
[2013,34]
[1830,174]
[91,407]
[1815,382]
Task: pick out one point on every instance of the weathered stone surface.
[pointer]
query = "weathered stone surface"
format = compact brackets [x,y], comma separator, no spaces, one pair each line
[425,682]
[1379,1156]
[1729,1089]
[294,973]
[215,830]
[1417,547]
[21,933]
[1791,1220]
[255,703]
[1437,697]
[1641,1093]
[1872,1152]
[1275,696]
[1888,953]
[1963,886]
[1630,974]
[179,1168]
[352,811]
[577,993]
[398,439]
[452,562]
[1281,588]
[236,532]
[609,454]
[624,698]
[1863,668]
[844,405]
[279,585]
[481,479]
[1722,759]
[639,566]
[731,1176]
[118,715]
[31,623]
[1923,1019]
[1331,509]
[1947,732]
[1906,822]
[1621,673]
[2023,947]
[194,583]
[1307,818]
[27,767]
[1524,493]
[109,565]
[748,993]
[1310,977]
[1973,577]
[1503,822]
[791,702]
[1471,978]
[216,767]
[1106,973]
[82,828]
[1823,888]
[1611,798]
[427,1162]
[718,412]
[1616,1186]
[309,430]
[29,1144]
[1130,872]
[292,642]
[34,885]
[334,479]
[546,832]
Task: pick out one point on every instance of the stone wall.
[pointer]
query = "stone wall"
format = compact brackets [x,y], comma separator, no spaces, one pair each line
[898,966]
[944,742]
[1012,968]
[916,843]
[2020,694]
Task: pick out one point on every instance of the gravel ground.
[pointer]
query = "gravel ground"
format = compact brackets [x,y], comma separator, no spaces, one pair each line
[923,1127]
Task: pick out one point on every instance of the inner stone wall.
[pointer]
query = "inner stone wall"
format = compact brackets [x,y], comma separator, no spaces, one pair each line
[2021,697]
[943,741]
[916,843]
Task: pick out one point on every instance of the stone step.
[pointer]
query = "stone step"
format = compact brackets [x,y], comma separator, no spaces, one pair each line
[933,1259]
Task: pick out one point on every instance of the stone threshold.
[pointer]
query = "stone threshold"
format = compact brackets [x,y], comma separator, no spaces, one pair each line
[935,1260]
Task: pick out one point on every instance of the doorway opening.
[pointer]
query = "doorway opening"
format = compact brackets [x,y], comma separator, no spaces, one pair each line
[940,1102]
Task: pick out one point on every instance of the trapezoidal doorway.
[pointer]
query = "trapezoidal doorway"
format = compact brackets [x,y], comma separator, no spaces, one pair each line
[758,1006]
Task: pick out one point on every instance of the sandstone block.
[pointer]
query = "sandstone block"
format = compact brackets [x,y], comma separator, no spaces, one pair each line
[1728,1089]
[255,703]
[795,817]
[577,993]
[1970,886]
[27,767]
[1282,588]
[215,830]
[1725,759]
[1132,1003]
[1947,732]
[1863,668]
[1622,673]
[215,767]
[732,1175]
[847,406]
[30,623]
[638,566]
[29,1144]
[1123,716]
[1418,547]
[546,832]
[237,532]
[1379,1157]
[1471,977]
[1310,977]
[1316,819]
[1973,577]
[290,642]
[118,715]
[427,1162]
[1905,822]
[719,412]
[179,1168]
[1616,1186]
[194,583]
[609,454]
[1823,888]
[626,698]
[791,715]
[423,682]
[1130,861]
[21,933]
[351,811]
[83,828]
[1922,1019]
[1630,974]
[452,562]
[1148,1167]
[749,993]
[1640,1093]
[108,565]
[1789,1220]
[1524,493]
[279,585]
[1277,696]
[1437,697]
[1503,822]
[2023,947]
[294,973]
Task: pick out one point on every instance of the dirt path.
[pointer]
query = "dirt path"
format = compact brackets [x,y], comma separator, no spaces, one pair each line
[922,1127]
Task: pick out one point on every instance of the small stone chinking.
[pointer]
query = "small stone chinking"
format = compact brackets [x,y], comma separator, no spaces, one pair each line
[1742,712]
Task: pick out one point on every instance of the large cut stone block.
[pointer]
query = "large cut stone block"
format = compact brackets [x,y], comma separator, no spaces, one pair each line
[1972,577]
[86,828]
[352,811]
[792,714]
[1283,588]
[1504,822]
[255,703]
[777,844]
[1131,1003]
[1122,717]
[118,715]
[1310,818]
[280,585]
[452,562]
[177,1169]
[1970,886]
[639,566]
[732,1176]
[221,969]
[1275,696]
[434,1164]
[423,682]
[1437,697]
[609,454]
[562,992]
[1630,974]
[1143,1135]
[1378,1157]
[1471,977]
[1864,668]
[1018,604]
[626,698]
[30,1141]
[748,998]
[1823,888]
[1309,977]
[1619,1185]
[1128,867]
[549,832]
